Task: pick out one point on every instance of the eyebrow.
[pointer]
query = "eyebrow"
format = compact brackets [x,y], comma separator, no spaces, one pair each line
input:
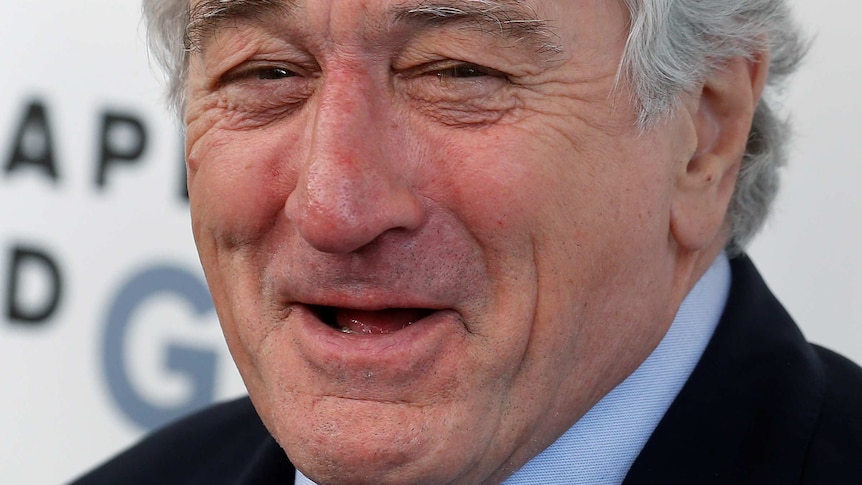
[511,19]
[508,18]
[209,16]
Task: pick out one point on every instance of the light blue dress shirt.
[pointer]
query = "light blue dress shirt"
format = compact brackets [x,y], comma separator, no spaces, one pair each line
[601,447]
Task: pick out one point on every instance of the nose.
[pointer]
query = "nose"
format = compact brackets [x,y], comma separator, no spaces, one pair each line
[354,184]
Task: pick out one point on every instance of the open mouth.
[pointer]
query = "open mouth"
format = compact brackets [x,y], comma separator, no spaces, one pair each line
[367,322]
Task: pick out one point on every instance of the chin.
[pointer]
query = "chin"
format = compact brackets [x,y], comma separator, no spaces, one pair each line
[347,441]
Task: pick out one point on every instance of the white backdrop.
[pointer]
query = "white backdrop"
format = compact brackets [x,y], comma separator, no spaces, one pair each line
[132,339]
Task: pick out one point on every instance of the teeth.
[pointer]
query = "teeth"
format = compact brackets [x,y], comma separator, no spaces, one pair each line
[349,331]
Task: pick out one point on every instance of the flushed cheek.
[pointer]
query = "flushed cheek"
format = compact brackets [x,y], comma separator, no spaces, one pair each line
[240,182]
[483,179]
[236,190]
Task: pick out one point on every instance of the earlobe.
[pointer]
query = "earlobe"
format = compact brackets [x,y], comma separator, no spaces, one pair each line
[722,116]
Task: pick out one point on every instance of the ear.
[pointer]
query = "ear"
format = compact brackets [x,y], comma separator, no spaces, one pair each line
[722,115]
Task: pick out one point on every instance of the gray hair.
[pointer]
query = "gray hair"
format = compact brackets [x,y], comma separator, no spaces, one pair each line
[672,47]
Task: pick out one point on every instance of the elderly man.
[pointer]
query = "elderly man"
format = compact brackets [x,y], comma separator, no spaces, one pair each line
[493,241]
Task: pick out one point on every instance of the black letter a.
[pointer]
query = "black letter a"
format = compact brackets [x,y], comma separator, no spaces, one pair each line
[33,142]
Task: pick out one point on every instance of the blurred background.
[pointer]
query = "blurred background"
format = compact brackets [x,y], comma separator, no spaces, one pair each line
[106,328]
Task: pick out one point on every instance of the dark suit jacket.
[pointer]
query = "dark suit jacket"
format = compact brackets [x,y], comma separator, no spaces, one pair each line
[762,407]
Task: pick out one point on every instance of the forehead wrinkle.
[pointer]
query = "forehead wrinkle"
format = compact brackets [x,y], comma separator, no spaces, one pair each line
[512,19]
[207,17]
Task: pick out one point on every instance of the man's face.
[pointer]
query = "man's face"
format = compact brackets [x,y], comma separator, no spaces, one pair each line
[433,236]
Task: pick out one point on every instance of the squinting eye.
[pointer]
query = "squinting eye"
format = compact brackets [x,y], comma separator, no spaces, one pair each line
[260,73]
[274,73]
[465,71]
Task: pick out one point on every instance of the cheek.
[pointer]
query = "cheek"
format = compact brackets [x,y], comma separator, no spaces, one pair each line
[238,184]
[582,214]
[487,182]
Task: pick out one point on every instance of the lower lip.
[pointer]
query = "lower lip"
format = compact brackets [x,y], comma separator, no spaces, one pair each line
[325,345]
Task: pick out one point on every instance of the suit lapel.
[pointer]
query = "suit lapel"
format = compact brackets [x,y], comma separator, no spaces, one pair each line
[747,411]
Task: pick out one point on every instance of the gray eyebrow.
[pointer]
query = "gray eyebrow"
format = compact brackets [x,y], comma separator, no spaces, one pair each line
[508,18]
[208,16]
